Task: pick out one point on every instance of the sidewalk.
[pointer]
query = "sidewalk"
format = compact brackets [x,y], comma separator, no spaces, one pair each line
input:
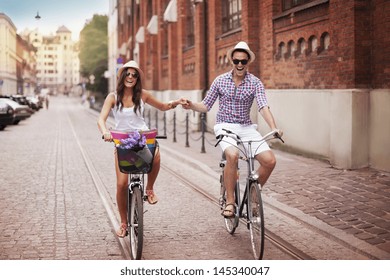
[351,205]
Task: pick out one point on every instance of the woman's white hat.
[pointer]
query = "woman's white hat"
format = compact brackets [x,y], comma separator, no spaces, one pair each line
[241,46]
[131,64]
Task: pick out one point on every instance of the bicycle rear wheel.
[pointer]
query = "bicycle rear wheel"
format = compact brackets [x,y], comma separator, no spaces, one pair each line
[136,223]
[256,220]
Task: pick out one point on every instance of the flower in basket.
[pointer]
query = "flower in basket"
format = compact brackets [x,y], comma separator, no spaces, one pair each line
[134,141]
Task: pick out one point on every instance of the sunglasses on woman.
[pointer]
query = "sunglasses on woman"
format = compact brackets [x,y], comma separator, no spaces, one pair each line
[134,75]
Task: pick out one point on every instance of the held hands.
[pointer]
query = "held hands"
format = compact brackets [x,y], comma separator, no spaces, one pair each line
[186,103]
[181,101]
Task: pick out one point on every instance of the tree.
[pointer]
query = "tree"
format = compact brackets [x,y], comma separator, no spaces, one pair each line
[94,52]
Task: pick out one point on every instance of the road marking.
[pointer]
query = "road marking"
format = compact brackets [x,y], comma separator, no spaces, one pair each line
[124,243]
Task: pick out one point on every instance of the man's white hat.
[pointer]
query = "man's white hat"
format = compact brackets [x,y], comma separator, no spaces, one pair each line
[241,46]
[131,64]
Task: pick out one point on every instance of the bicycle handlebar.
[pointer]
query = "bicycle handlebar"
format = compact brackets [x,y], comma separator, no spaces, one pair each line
[157,137]
[273,133]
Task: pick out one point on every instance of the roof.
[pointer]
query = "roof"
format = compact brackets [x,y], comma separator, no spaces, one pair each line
[63,29]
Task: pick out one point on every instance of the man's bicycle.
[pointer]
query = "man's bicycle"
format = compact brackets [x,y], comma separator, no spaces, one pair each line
[136,160]
[250,207]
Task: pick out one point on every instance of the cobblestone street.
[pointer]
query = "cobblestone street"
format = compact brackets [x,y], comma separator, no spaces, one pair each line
[51,207]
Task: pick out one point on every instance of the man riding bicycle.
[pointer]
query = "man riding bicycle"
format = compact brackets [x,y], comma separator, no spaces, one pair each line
[236,91]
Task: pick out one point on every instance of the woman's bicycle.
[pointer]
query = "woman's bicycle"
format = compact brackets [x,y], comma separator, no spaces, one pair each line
[136,160]
[250,207]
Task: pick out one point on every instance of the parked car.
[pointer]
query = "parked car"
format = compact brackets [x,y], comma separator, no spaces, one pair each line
[21,112]
[35,103]
[6,114]
[22,100]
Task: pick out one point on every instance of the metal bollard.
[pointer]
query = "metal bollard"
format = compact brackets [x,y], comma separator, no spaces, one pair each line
[202,118]
[149,120]
[165,123]
[187,132]
[157,120]
[174,126]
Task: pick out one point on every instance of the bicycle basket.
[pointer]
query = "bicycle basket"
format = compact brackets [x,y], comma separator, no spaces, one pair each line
[135,158]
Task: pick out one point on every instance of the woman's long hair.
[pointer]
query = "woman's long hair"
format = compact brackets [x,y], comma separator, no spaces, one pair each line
[137,90]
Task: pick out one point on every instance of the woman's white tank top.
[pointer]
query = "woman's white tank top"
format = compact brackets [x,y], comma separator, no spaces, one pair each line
[127,120]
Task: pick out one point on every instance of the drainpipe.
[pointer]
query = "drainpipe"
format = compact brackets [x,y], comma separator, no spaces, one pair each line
[206,54]
[206,71]
[132,30]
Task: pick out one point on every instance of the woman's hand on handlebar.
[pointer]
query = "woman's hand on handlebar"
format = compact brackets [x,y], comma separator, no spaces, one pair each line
[107,137]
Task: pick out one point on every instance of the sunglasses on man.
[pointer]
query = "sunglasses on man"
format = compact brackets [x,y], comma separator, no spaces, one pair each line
[243,61]
[134,75]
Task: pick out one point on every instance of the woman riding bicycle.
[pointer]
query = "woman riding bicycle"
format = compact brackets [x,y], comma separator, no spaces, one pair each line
[236,91]
[127,105]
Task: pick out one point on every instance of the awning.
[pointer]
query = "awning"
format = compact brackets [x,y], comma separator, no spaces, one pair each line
[140,36]
[153,25]
[170,13]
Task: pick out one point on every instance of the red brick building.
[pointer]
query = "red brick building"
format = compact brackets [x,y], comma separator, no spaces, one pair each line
[333,55]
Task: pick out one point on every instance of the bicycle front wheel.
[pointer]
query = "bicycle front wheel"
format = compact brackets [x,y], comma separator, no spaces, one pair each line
[256,220]
[136,223]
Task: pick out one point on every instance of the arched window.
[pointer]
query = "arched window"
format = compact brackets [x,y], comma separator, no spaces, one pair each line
[290,49]
[312,44]
[301,46]
[325,41]
[282,50]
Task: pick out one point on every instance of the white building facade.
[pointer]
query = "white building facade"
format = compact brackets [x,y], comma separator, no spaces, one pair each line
[58,63]
[8,56]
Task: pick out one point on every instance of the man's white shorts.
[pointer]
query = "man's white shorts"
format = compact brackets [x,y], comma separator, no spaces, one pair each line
[246,133]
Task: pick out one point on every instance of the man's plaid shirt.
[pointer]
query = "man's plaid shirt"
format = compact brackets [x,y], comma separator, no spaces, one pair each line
[235,102]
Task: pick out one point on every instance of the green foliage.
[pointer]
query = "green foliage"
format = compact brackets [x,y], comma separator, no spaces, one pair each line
[94,52]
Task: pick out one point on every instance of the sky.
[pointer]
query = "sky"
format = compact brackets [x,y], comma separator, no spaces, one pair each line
[54,13]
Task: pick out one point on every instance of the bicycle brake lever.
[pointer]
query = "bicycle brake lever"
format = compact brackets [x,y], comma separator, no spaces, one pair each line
[276,135]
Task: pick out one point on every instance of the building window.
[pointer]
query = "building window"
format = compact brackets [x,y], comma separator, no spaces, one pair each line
[290,49]
[312,44]
[301,46]
[282,50]
[231,15]
[149,11]
[325,41]
[190,34]
[164,45]
[288,4]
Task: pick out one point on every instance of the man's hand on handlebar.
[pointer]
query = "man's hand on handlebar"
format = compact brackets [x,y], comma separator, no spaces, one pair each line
[278,133]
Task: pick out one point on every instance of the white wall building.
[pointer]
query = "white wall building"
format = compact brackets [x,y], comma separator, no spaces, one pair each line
[58,63]
[8,57]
